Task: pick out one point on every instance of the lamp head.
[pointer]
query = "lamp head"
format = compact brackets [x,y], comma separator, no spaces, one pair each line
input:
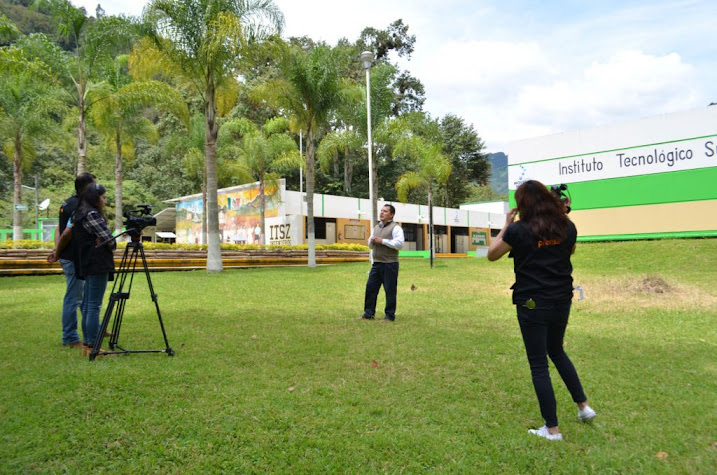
[367,58]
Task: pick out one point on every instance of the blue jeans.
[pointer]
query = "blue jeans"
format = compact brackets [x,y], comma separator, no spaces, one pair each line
[543,329]
[72,301]
[95,286]
[386,274]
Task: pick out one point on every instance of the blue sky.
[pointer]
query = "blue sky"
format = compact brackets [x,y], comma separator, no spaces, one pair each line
[517,68]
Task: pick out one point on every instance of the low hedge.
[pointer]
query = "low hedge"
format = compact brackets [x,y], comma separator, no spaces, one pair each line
[28,244]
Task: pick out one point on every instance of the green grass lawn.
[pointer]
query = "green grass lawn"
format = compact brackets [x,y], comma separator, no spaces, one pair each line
[274,373]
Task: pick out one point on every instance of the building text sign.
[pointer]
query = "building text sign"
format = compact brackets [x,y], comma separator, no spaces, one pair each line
[688,154]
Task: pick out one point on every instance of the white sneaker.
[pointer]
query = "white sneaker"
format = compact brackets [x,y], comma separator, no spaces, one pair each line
[543,432]
[586,414]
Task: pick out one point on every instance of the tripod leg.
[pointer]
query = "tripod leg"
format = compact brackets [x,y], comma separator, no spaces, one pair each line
[118,301]
[127,272]
[169,350]
[103,328]
[115,296]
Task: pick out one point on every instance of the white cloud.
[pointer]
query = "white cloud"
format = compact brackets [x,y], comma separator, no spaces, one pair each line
[329,20]
[629,84]
[484,64]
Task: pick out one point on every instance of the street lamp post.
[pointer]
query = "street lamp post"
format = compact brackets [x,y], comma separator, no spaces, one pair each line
[367,58]
[35,189]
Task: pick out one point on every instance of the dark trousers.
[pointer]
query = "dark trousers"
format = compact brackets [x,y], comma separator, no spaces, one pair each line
[543,329]
[386,274]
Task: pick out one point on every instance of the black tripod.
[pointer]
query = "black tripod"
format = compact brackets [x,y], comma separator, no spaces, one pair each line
[119,297]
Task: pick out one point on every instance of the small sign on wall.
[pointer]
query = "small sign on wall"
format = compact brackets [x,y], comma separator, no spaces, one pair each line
[284,230]
[355,231]
[479,238]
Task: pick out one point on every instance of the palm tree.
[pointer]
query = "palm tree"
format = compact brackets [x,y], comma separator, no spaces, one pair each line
[338,143]
[352,124]
[118,103]
[432,168]
[28,109]
[264,152]
[96,42]
[201,40]
[308,92]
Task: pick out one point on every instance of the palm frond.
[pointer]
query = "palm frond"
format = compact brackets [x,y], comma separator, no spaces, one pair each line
[408,182]
[234,130]
[289,161]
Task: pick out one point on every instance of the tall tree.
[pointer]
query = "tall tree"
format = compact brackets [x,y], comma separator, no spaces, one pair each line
[309,92]
[96,41]
[28,112]
[202,40]
[432,168]
[470,165]
[351,113]
[409,93]
[117,114]
[394,38]
[341,146]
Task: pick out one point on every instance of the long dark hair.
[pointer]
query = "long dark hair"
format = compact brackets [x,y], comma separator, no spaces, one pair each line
[541,210]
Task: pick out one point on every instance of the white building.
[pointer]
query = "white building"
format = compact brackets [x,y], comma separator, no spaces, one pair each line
[337,219]
[640,179]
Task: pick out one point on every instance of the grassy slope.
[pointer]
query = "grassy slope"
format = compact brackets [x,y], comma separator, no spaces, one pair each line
[450,389]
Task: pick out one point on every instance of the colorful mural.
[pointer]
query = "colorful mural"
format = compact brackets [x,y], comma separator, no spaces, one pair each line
[189,221]
[239,214]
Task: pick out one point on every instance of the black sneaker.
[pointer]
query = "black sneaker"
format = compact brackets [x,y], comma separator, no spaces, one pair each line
[388,319]
[366,317]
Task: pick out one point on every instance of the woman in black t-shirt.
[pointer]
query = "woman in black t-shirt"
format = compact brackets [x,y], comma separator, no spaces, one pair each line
[541,244]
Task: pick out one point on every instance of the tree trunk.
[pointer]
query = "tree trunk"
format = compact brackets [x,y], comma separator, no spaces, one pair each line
[118,181]
[310,149]
[431,238]
[348,173]
[262,209]
[204,205]
[17,191]
[81,133]
[214,252]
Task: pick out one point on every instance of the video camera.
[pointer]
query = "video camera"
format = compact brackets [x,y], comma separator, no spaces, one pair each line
[137,219]
[561,191]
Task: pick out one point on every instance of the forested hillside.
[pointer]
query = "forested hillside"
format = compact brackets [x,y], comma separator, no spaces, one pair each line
[499,172]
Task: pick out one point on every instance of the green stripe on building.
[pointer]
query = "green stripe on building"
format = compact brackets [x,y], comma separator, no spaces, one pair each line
[660,188]
[629,237]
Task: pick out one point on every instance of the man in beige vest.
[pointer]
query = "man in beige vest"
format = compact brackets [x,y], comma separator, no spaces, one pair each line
[385,241]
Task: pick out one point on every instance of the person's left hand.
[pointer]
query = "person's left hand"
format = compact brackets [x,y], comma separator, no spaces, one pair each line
[52,257]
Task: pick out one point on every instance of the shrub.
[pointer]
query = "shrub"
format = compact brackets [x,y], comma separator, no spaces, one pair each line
[28,244]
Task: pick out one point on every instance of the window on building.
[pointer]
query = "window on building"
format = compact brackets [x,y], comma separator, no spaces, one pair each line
[410,231]
[319,227]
